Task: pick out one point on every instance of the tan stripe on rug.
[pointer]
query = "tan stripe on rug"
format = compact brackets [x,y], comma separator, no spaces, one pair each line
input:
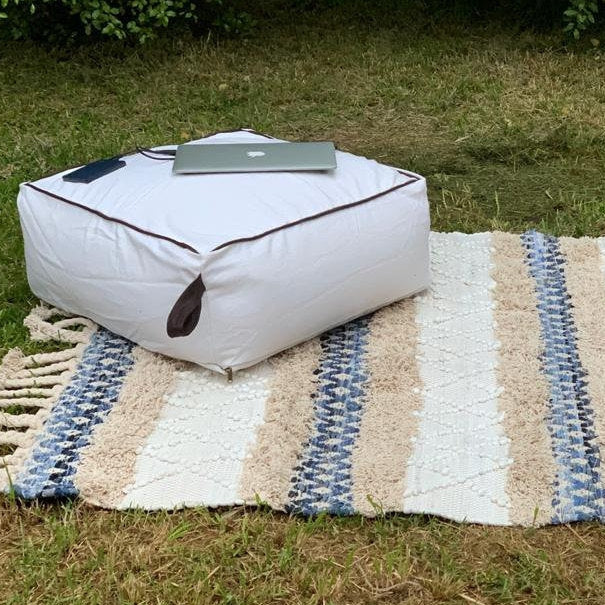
[269,468]
[115,444]
[586,286]
[388,423]
[524,400]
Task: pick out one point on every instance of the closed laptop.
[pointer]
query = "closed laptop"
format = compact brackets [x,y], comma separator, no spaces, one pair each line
[260,157]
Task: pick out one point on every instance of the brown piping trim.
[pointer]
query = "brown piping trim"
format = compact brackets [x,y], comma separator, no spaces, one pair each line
[314,216]
[408,174]
[112,218]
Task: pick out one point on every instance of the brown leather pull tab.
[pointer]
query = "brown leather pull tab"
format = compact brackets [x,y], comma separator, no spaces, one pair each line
[185,313]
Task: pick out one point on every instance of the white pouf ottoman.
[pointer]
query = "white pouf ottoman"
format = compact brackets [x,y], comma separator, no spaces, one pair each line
[226,269]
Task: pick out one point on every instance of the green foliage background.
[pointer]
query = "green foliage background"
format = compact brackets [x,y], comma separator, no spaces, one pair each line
[59,21]
[133,20]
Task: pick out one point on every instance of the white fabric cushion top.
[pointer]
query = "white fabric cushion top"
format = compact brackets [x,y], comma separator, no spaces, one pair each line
[226,269]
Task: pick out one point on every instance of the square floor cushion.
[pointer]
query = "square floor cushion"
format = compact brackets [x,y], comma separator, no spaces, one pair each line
[226,269]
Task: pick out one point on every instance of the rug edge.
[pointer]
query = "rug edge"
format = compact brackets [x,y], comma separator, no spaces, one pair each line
[36,382]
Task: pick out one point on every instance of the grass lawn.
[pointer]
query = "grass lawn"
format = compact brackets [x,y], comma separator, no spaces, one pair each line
[509,129]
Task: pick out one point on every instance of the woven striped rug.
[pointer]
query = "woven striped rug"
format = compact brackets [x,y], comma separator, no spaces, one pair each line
[480,400]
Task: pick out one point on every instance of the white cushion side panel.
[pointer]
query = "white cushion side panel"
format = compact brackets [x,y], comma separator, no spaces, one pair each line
[122,279]
[268,294]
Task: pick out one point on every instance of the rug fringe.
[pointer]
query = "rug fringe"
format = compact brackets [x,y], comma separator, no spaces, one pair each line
[36,381]
[42,329]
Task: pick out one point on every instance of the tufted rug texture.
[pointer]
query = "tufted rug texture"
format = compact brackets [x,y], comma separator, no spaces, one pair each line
[479,400]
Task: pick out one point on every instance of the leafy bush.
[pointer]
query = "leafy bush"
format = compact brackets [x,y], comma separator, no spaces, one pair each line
[136,20]
[580,15]
[140,20]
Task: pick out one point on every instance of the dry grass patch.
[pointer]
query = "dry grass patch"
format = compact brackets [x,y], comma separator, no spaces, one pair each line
[51,554]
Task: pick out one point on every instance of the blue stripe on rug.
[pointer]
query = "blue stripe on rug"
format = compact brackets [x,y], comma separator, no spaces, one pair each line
[84,404]
[322,479]
[578,491]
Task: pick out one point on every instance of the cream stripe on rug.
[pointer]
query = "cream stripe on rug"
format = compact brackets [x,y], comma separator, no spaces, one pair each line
[197,449]
[113,452]
[388,423]
[524,395]
[460,458]
[280,440]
